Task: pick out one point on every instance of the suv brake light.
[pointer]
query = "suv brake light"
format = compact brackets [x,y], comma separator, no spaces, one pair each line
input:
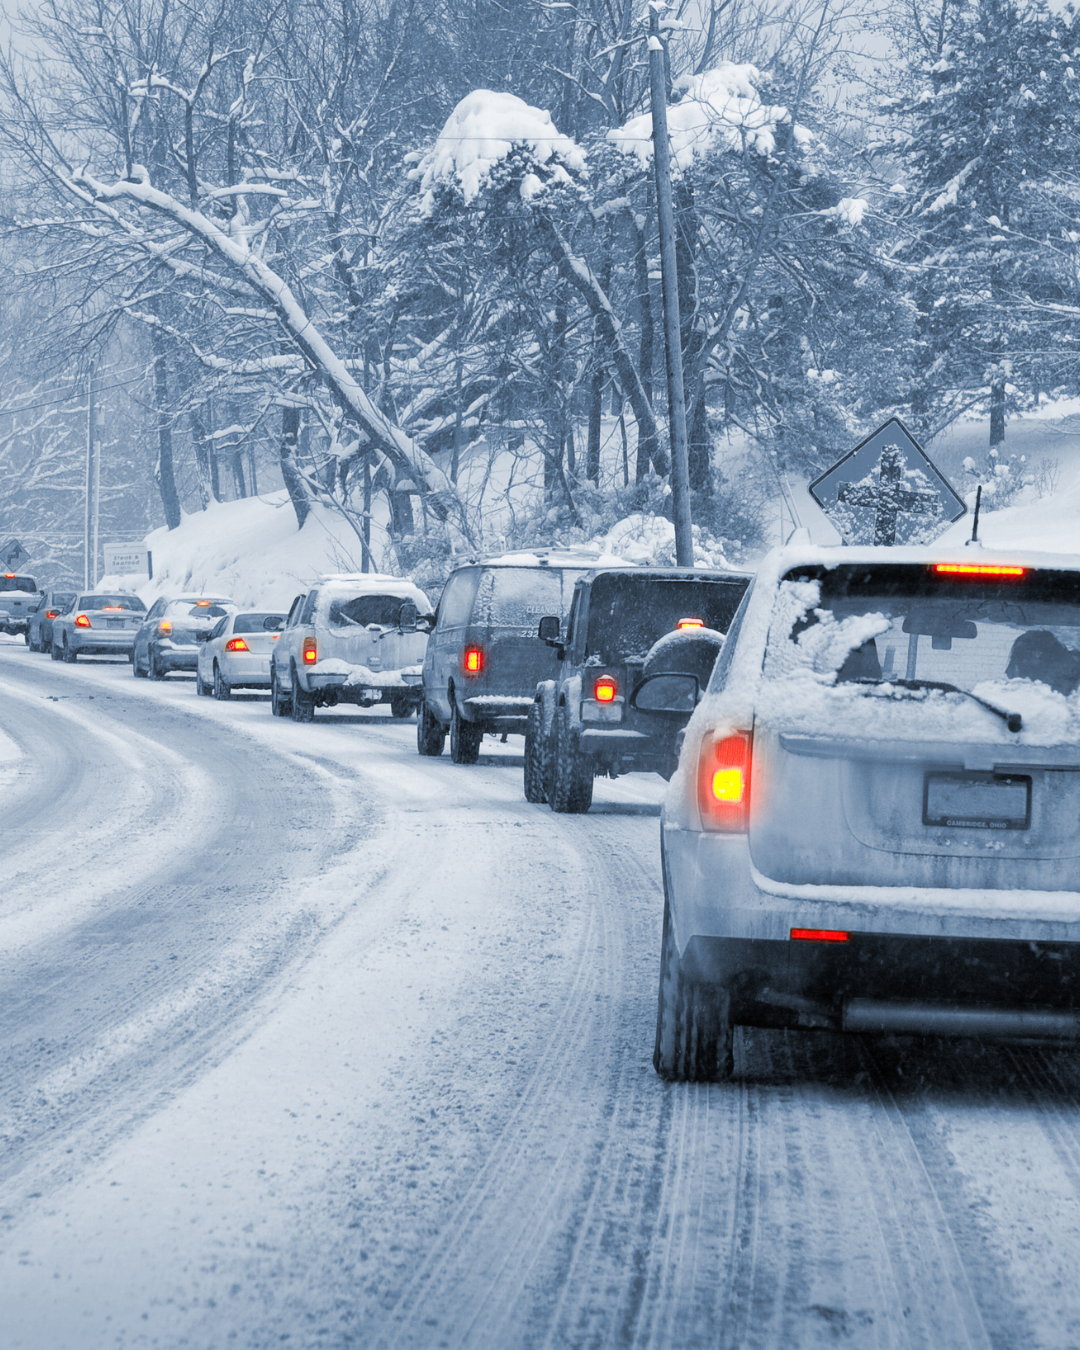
[311,651]
[724,782]
[81,621]
[605,689]
[473,660]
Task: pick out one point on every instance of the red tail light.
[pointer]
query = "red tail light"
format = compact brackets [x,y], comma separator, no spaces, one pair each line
[165,626]
[236,645]
[691,623]
[311,652]
[473,660]
[51,613]
[724,782]
[819,935]
[81,621]
[605,689]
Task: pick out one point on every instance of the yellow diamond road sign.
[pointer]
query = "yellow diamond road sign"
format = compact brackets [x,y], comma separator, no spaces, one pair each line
[886,487]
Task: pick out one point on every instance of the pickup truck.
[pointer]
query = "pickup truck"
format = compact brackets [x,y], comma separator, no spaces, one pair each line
[19,597]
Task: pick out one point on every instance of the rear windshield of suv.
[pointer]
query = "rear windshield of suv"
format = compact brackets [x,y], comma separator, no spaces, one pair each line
[18,584]
[627,613]
[367,609]
[906,624]
[519,597]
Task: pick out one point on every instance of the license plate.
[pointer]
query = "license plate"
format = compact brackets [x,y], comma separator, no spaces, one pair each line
[114,623]
[977,801]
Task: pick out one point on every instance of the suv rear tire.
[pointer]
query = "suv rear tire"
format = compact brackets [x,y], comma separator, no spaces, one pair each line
[465,738]
[571,771]
[694,1034]
[536,769]
[303,705]
[430,732]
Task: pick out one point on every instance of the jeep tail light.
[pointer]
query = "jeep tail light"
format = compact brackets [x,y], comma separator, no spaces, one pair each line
[724,782]
[81,621]
[236,645]
[311,652]
[605,689]
[165,626]
[691,623]
[473,660]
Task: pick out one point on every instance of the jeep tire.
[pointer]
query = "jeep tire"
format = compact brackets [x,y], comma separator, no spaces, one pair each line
[536,768]
[571,771]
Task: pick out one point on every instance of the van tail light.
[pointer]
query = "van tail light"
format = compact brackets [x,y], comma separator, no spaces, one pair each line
[605,689]
[236,645]
[311,651]
[724,782]
[473,660]
[165,627]
[81,621]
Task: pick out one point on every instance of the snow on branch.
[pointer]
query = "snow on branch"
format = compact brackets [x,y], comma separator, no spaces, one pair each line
[483,130]
[719,110]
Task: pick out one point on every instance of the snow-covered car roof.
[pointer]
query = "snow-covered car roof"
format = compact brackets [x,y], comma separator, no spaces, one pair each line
[541,557]
[782,560]
[340,584]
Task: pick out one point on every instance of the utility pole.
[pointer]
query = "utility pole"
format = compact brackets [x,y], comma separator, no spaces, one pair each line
[90,514]
[680,460]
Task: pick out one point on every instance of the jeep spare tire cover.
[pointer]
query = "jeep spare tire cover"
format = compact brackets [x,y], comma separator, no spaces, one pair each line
[687,651]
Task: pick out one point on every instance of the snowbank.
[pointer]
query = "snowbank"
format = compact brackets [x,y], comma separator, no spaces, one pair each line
[649,541]
[1051,525]
[250,550]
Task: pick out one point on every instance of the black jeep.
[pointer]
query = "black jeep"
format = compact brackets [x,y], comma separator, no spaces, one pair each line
[625,624]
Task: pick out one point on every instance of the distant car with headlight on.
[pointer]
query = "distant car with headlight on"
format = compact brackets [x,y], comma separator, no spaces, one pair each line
[169,638]
[874,823]
[237,652]
[102,624]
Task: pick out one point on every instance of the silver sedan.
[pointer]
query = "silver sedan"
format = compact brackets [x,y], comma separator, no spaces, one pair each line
[236,655]
[97,624]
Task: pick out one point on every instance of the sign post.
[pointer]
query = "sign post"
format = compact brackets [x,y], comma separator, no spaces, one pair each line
[887,486]
[126,560]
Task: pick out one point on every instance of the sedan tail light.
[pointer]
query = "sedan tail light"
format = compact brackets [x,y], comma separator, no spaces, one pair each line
[165,626]
[51,613]
[724,782]
[311,653]
[81,621]
[473,660]
[236,645]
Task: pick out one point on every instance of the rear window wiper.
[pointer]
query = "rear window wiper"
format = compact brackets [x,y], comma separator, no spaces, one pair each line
[1011,719]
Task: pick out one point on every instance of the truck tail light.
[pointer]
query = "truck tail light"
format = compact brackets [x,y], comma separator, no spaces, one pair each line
[724,782]
[165,627]
[81,621]
[236,645]
[818,935]
[605,689]
[473,660]
[311,651]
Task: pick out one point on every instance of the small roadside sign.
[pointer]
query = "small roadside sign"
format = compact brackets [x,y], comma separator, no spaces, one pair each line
[125,560]
[12,555]
[887,491]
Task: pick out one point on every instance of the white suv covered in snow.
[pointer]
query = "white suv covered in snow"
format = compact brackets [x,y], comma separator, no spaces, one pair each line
[354,638]
[875,823]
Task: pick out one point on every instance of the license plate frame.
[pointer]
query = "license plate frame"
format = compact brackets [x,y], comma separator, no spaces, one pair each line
[976,800]
[115,623]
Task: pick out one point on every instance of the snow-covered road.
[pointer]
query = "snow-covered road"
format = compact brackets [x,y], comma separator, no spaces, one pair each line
[310,1041]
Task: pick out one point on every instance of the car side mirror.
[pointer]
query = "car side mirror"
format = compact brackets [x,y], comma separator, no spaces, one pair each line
[426,623]
[408,617]
[670,694]
[550,628]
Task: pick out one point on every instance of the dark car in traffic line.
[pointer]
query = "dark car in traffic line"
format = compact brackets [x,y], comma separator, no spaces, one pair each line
[484,658]
[169,638]
[585,722]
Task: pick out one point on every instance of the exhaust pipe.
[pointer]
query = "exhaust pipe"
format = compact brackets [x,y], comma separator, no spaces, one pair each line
[927,1019]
